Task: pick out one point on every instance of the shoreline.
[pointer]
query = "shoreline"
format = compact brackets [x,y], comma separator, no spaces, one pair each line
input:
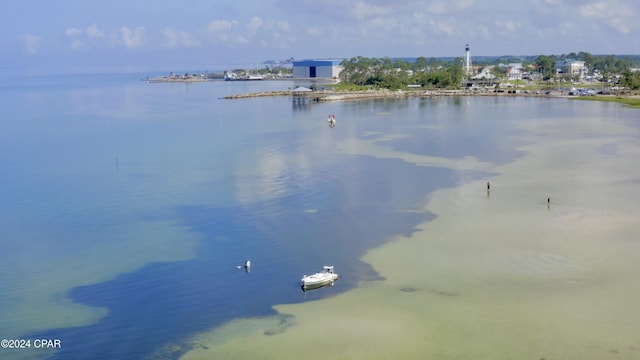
[176,80]
[322,96]
[327,95]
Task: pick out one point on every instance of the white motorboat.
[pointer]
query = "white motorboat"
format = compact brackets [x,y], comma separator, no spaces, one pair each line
[325,277]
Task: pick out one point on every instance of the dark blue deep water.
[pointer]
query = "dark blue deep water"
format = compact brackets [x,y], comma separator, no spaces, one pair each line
[140,200]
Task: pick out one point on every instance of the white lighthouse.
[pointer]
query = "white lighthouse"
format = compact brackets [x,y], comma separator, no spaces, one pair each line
[467,61]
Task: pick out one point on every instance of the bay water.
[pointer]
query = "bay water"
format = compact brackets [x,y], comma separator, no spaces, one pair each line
[128,207]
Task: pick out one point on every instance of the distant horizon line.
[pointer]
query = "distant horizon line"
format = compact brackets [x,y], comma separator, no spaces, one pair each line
[52,70]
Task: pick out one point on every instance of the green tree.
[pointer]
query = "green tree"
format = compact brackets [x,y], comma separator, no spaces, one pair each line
[631,80]
[357,70]
[499,72]
[456,74]
[401,64]
[622,65]
[546,65]
[587,58]
[421,64]
[433,62]
[386,64]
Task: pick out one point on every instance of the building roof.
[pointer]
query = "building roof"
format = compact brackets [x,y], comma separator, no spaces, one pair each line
[317,62]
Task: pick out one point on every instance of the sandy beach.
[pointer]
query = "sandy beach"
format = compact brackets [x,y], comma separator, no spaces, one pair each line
[499,274]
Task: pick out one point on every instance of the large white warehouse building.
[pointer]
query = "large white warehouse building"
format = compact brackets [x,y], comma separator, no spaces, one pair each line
[327,69]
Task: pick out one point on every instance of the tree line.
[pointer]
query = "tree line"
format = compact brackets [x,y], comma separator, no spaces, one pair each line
[398,73]
[601,63]
[448,72]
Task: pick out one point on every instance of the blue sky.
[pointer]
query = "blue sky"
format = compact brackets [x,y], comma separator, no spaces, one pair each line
[136,35]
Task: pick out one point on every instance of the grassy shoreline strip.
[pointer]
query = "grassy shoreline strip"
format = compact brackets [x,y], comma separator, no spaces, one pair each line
[627,101]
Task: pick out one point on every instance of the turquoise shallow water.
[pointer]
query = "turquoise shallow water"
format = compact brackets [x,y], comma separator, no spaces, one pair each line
[127,205]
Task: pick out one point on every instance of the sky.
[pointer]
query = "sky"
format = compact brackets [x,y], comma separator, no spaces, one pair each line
[71,36]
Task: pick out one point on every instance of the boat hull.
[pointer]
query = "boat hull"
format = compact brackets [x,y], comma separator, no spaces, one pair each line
[314,281]
[316,287]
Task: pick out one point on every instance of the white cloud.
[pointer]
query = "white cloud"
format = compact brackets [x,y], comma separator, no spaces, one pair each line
[596,10]
[440,27]
[75,36]
[31,43]
[378,24]
[612,13]
[226,32]
[275,33]
[567,28]
[363,10]
[483,32]
[85,38]
[258,31]
[620,25]
[218,26]
[282,25]
[132,38]
[179,39]
[73,32]
[93,31]
[94,37]
[314,31]
[445,7]
[509,26]
[255,24]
